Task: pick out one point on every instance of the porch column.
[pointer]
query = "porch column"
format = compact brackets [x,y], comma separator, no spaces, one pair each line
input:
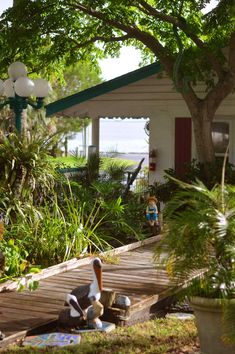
[95,133]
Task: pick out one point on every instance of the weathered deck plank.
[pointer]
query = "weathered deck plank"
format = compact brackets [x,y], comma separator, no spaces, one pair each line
[135,276]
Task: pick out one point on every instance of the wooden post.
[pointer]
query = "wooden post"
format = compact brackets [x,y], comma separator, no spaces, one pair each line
[95,137]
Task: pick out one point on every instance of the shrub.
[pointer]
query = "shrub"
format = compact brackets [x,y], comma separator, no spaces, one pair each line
[194,171]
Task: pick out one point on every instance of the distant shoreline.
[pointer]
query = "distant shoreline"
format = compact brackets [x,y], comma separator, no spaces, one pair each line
[123,138]
[133,156]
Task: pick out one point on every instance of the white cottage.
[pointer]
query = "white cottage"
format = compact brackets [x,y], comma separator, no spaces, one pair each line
[147,92]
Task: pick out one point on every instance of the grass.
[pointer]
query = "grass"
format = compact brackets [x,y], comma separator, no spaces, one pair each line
[160,336]
[69,161]
[73,161]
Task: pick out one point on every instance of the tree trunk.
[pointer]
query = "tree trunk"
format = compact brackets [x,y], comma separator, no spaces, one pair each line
[203,138]
[202,113]
[66,146]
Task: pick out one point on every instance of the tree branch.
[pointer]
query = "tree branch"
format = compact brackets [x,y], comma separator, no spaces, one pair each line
[157,14]
[226,83]
[99,38]
[190,98]
[182,24]
[133,32]
[221,90]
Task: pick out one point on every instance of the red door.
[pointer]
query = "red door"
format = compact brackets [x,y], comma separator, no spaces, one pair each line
[183,140]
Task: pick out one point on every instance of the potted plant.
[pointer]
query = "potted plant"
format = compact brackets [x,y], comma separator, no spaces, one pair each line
[198,247]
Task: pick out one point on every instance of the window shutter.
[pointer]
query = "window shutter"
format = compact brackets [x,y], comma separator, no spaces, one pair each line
[183,139]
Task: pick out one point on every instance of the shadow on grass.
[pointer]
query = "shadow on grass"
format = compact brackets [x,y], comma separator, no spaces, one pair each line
[160,336]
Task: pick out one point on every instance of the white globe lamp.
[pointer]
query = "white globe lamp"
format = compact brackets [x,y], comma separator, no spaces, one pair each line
[41,88]
[18,89]
[1,87]
[17,70]
[24,87]
[8,88]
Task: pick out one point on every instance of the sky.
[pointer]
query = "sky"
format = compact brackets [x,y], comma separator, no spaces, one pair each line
[4,4]
[112,67]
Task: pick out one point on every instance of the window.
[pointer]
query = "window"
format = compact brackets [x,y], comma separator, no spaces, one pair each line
[220,137]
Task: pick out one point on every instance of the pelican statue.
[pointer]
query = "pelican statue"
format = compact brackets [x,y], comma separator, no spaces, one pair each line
[90,292]
[84,302]
[72,317]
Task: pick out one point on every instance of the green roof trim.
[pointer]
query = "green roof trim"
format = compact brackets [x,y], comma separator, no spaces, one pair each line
[107,86]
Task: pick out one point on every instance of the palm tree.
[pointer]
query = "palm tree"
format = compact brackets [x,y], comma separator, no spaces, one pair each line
[199,239]
[200,234]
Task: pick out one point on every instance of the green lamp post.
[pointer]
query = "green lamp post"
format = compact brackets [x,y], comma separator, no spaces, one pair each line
[19,90]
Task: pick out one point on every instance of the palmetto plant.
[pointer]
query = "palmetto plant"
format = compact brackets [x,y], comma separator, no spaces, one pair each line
[26,174]
[199,238]
[64,227]
[200,234]
[95,217]
[115,168]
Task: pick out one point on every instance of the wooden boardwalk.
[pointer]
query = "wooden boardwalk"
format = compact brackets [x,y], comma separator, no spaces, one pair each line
[135,275]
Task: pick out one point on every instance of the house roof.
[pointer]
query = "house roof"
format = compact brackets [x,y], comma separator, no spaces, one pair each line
[98,90]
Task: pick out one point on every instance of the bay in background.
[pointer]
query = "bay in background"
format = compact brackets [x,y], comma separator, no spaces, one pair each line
[125,138]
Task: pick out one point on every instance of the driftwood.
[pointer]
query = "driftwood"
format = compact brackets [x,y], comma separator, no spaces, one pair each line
[131,179]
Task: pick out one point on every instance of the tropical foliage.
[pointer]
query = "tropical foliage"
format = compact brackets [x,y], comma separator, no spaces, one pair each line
[105,180]
[199,245]
[200,236]
[49,219]
[58,232]
[26,174]
[194,171]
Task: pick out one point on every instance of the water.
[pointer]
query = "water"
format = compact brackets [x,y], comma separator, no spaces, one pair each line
[123,137]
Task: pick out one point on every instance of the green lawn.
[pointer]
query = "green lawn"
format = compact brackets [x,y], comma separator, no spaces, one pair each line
[73,161]
[160,336]
[69,161]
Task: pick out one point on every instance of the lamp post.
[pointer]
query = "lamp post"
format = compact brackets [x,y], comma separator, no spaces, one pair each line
[18,90]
